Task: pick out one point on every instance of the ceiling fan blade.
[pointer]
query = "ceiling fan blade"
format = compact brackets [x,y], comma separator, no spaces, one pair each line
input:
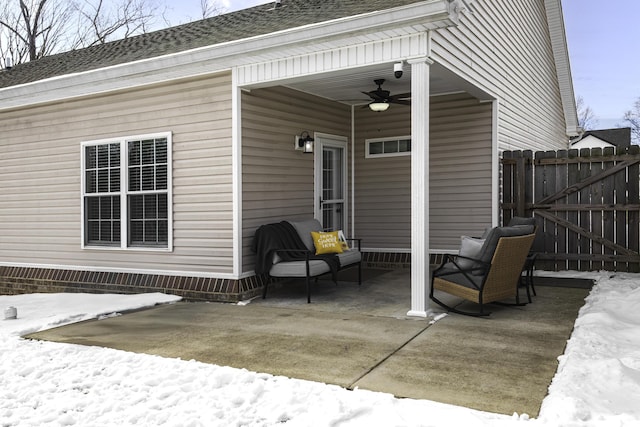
[382,95]
[371,95]
[399,101]
[401,95]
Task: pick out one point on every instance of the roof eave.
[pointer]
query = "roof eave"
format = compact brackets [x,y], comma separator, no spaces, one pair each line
[563,66]
[421,16]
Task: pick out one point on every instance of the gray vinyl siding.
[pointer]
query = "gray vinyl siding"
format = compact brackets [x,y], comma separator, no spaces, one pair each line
[460,165]
[382,185]
[504,47]
[460,175]
[278,181]
[40,170]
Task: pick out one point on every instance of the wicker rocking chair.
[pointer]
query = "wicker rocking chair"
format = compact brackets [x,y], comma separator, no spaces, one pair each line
[492,277]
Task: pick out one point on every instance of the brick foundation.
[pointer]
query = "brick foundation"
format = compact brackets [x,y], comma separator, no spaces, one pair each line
[23,280]
[394,260]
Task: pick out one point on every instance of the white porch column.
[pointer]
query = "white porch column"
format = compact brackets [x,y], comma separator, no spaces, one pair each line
[420,272]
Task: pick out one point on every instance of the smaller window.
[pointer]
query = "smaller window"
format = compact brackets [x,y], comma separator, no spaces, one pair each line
[388,147]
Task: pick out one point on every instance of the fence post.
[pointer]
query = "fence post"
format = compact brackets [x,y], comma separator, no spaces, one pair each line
[584,245]
[528,182]
[595,192]
[521,183]
[634,216]
[507,187]
[550,227]
[561,232]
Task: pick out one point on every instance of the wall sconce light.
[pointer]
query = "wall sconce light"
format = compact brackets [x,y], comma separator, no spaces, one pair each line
[304,142]
[379,106]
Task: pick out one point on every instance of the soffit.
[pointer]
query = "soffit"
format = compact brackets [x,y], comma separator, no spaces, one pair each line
[347,86]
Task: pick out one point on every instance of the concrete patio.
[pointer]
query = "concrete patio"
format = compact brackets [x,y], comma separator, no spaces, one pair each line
[359,336]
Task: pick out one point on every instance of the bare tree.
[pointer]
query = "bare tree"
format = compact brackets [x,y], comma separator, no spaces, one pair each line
[586,117]
[30,29]
[210,8]
[632,117]
[100,23]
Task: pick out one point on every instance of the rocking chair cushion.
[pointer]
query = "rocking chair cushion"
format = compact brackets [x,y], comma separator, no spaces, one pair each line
[469,248]
[520,220]
[538,242]
[495,234]
[468,281]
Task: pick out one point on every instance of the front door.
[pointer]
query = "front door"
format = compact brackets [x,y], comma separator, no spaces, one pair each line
[330,181]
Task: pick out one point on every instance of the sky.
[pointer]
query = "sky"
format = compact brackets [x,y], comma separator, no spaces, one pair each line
[602,38]
[186,10]
[597,382]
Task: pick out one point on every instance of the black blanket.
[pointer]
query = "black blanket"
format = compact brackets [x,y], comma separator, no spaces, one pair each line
[282,235]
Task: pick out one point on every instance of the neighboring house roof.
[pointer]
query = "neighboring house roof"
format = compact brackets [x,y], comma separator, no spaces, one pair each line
[619,137]
[246,23]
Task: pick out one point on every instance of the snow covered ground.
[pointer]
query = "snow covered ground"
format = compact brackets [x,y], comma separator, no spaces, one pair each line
[51,384]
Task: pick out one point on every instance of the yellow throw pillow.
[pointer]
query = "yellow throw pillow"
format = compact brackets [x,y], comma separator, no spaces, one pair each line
[326,242]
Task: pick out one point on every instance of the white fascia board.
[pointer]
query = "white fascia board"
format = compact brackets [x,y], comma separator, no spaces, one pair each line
[224,56]
[558,35]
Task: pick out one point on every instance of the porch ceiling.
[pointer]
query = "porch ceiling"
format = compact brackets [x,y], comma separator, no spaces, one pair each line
[346,86]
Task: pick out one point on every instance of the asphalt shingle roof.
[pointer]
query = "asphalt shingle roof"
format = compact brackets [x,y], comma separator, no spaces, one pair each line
[620,137]
[255,21]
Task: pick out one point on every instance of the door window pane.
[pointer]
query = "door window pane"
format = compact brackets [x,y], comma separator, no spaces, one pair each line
[332,191]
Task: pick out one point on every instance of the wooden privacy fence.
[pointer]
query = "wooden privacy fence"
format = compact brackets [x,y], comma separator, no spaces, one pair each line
[587,205]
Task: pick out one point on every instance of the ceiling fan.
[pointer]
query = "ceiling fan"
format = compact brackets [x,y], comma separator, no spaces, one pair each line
[381,98]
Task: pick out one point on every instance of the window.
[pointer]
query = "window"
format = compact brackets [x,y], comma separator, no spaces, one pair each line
[388,147]
[125,192]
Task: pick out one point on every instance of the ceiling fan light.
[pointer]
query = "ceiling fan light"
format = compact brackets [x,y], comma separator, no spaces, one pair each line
[378,106]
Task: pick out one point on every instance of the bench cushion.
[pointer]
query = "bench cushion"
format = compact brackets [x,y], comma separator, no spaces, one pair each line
[304,229]
[349,257]
[299,268]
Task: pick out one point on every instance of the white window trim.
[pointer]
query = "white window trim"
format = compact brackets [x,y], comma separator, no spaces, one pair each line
[368,142]
[124,184]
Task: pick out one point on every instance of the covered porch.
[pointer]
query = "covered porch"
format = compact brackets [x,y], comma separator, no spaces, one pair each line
[361,177]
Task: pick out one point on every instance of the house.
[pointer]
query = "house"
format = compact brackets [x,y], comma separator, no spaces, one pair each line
[147,164]
[603,138]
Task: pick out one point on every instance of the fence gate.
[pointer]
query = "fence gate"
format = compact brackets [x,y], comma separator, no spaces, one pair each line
[587,205]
